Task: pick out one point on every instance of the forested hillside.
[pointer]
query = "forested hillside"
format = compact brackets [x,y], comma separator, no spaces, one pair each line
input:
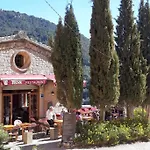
[37,28]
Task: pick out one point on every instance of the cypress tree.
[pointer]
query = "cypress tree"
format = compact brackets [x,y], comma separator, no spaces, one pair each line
[141,22]
[67,61]
[73,55]
[58,61]
[144,28]
[132,75]
[104,84]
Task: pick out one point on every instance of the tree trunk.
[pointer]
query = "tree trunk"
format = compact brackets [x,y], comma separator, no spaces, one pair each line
[130,109]
[148,112]
[143,111]
[124,112]
[102,113]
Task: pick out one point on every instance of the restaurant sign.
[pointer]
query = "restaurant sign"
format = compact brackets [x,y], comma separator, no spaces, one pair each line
[24,82]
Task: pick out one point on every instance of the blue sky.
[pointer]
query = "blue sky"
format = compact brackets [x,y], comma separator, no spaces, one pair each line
[82,10]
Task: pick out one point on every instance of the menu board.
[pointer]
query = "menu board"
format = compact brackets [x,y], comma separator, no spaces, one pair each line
[69,126]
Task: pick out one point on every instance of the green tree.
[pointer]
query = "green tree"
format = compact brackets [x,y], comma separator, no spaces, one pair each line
[73,60]
[144,28]
[58,58]
[132,75]
[67,61]
[104,85]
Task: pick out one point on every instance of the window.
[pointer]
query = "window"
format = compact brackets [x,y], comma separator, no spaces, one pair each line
[19,60]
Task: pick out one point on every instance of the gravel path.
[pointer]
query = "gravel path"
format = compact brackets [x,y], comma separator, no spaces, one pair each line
[135,146]
[53,145]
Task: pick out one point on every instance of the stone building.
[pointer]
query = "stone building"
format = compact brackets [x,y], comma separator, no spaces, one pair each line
[27,84]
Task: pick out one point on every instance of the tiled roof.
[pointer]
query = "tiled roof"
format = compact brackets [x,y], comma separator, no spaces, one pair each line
[22,35]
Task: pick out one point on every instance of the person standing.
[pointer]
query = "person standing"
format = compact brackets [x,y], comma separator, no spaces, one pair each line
[51,116]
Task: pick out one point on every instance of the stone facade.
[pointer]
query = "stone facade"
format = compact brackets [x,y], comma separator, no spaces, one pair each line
[40,57]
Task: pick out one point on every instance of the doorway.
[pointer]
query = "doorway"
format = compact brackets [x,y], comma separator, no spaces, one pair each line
[21,105]
[7,109]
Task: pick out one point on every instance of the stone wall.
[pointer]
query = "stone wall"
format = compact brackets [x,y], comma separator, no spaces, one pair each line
[40,58]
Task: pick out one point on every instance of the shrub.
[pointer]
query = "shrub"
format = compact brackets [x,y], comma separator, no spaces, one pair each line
[137,131]
[139,113]
[124,133]
[4,137]
[113,132]
[113,135]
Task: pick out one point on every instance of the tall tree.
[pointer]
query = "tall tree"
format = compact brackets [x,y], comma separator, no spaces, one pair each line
[58,60]
[73,62]
[104,85]
[67,61]
[144,28]
[132,75]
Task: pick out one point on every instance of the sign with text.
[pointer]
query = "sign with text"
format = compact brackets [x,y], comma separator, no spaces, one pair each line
[69,126]
[27,82]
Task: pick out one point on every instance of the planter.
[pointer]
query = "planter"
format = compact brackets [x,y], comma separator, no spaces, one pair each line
[53,133]
[27,138]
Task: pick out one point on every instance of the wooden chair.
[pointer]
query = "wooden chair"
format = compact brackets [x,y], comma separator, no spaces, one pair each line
[14,132]
[33,120]
[44,124]
[32,127]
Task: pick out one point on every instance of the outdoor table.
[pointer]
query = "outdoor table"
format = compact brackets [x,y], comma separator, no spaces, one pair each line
[8,127]
[59,125]
[12,130]
[87,118]
[24,126]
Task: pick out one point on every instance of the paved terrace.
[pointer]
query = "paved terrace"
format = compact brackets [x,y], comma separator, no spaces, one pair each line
[40,144]
[48,144]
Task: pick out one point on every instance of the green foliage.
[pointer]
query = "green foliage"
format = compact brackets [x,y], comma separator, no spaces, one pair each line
[58,58]
[67,61]
[133,69]
[4,137]
[123,133]
[113,133]
[73,59]
[144,28]
[139,113]
[104,84]
[36,28]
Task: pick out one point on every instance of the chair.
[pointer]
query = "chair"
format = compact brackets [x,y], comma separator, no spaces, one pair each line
[32,127]
[13,133]
[44,125]
[32,119]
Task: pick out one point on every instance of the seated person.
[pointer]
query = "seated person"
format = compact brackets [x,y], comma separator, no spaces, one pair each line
[78,116]
[51,116]
[17,122]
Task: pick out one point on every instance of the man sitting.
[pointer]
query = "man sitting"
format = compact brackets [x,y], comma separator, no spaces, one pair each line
[51,116]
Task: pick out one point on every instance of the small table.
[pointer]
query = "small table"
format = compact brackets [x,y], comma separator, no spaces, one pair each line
[59,125]
[8,127]
[26,124]
[87,118]
[12,130]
